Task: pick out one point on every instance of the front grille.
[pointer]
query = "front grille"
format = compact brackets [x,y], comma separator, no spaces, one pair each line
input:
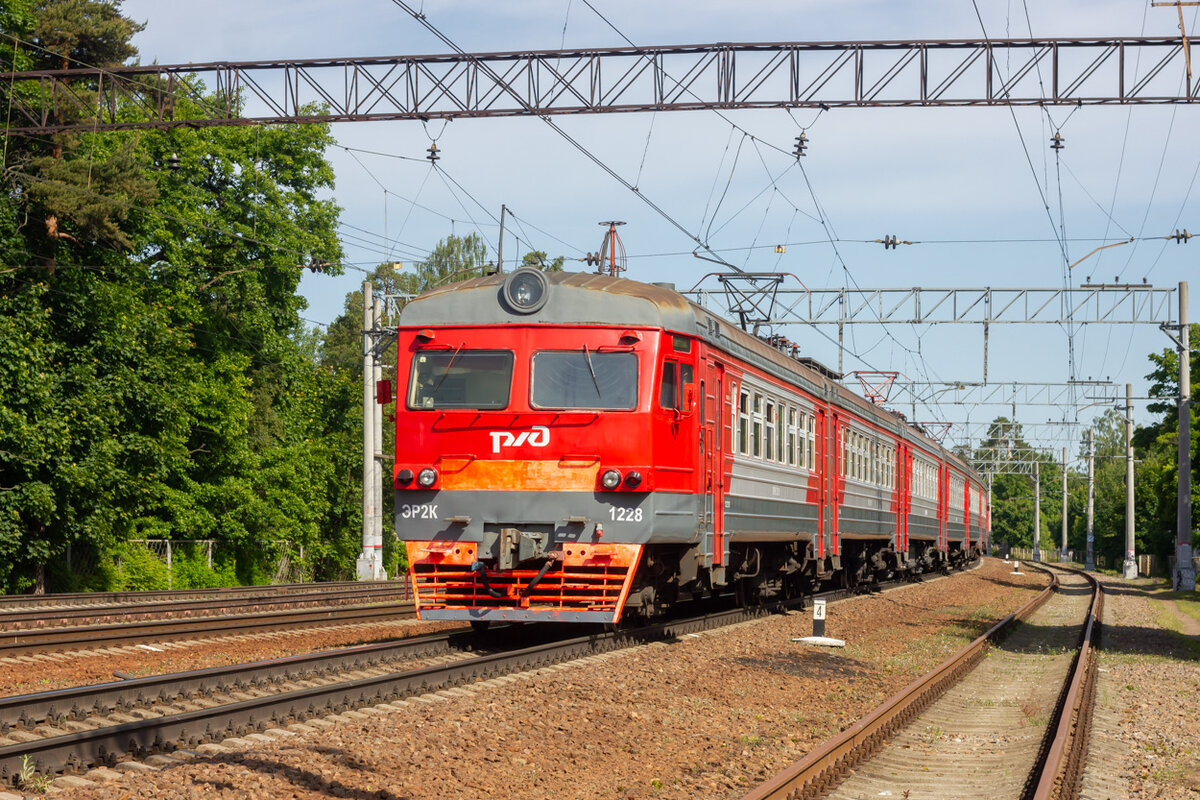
[589,578]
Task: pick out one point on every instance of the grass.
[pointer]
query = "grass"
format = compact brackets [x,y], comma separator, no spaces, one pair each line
[30,779]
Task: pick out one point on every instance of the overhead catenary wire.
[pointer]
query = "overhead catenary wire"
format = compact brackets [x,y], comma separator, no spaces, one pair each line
[483,67]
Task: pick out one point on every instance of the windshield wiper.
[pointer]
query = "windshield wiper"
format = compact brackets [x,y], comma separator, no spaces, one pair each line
[446,374]
[592,370]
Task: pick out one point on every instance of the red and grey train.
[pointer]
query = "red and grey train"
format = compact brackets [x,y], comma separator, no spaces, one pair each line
[582,448]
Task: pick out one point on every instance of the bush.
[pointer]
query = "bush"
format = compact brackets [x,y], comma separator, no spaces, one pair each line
[138,569]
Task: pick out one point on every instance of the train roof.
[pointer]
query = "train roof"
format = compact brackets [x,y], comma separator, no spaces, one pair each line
[579,298]
[582,298]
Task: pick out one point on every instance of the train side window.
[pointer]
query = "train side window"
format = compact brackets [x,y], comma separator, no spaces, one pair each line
[756,426]
[769,449]
[668,390]
[779,430]
[791,438]
[811,441]
[743,421]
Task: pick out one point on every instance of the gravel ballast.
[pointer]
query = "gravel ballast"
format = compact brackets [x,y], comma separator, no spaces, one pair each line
[708,716]
[1146,727]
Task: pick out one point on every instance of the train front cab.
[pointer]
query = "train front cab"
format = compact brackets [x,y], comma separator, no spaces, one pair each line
[540,468]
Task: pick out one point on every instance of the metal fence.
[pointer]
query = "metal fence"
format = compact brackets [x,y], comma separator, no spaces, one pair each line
[289,567]
[1149,566]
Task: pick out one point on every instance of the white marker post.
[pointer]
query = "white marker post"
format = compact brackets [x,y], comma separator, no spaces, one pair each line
[819,638]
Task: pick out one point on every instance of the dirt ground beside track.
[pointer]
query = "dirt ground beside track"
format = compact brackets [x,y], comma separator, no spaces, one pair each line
[27,674]
[1146,737]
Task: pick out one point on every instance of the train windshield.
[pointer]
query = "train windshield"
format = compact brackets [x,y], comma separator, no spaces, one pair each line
[476,379]
[585,379]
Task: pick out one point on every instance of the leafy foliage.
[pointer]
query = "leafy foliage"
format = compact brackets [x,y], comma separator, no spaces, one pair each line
[156,379]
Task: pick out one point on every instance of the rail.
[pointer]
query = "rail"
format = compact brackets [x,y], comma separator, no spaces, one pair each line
[821,770]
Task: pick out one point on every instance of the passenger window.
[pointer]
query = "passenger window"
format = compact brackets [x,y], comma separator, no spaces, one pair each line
[743,421]
[756,426]
[770,448]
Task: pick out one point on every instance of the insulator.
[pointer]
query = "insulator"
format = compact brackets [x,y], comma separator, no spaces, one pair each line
[801,144]
[433,153]
[1057,142]
[173,162]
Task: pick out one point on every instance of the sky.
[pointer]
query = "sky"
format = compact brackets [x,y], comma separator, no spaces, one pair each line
[966,184]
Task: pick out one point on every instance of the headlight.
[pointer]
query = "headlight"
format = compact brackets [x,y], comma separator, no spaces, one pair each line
[611,479]
[427,477]
[633,479]
[404,476]
[525,290]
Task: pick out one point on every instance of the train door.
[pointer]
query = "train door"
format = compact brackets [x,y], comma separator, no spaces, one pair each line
[966,516]
[898,486]
[835,480]
[821,459]
[943,508]
[712,446]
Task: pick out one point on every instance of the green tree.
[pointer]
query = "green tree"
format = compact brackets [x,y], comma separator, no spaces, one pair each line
[155,376]
[1013,486]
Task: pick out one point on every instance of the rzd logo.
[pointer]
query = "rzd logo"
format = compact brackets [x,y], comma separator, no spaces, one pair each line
[538,436]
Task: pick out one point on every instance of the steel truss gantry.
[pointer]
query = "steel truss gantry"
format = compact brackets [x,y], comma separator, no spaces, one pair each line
[1088,304]
[1108,304]
[867,74]
[1006,393]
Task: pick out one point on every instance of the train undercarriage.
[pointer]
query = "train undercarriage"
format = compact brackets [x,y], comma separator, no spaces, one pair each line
[762,572]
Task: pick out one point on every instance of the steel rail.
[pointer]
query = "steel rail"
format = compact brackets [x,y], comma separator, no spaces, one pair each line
[107,635]
[184,609]
[74,599]
[55,706]
[822,769]
[1062,767]
[163,734]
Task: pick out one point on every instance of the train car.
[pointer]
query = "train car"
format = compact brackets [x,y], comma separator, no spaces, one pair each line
[582,448]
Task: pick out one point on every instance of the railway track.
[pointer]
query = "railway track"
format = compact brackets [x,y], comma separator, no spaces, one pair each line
[1007,717]
[163,609]
[73,729]
[55,639]
[63,600]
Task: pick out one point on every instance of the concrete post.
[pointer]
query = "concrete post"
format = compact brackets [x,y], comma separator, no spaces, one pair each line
[1090,563]
[1184,579]
[1063,553]
[1129,570]
[1037,512]
[988,521]
[366,566]
[377,445]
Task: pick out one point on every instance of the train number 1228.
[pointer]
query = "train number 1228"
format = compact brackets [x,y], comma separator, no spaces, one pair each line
[625,514]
